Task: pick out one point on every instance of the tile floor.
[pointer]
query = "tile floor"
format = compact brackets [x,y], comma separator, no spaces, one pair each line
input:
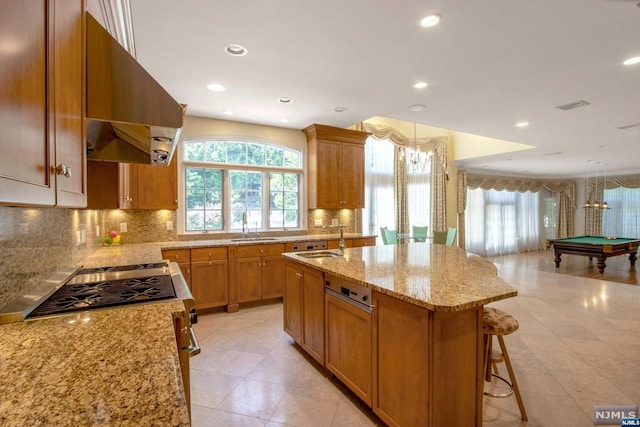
[578,345]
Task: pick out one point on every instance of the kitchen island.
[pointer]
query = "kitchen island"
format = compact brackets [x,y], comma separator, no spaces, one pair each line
[417,356]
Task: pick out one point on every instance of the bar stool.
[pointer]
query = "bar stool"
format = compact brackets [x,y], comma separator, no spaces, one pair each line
[497,322]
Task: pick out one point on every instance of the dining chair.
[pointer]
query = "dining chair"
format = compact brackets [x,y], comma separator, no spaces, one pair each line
[440,237]
[389,237]
[419,233]
[451,236]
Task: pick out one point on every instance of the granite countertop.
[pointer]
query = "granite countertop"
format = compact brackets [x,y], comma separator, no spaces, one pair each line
[98,367]
[436,277]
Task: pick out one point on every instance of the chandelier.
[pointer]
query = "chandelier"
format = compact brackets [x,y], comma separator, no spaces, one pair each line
[596,204]
[418,162]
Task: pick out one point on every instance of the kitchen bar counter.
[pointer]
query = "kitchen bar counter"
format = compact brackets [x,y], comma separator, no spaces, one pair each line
[115,366]
[435,277]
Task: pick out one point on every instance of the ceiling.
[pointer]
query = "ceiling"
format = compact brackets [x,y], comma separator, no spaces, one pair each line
[489,64]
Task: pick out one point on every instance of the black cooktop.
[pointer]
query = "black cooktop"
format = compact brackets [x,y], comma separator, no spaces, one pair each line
[107,287]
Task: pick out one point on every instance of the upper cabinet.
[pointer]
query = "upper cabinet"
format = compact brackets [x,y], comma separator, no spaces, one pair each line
[131,186]
[336,167]
[42,93]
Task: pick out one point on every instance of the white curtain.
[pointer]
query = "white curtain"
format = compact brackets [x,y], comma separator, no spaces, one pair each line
[503,222]
[379,205]
[418,188]
[622,219]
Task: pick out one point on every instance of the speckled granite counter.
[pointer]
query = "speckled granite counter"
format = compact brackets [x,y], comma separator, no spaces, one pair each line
[102,367]
[436,277]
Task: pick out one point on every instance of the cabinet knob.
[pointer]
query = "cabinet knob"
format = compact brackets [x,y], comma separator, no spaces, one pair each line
[209,254]
[176,256]
[63,170]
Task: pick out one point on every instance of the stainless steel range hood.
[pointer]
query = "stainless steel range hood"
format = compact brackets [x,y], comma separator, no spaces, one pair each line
[130,117]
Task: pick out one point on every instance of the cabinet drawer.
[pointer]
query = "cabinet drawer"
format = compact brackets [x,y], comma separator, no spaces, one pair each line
[208,254]
[365,241]
[259,250]
[177,255]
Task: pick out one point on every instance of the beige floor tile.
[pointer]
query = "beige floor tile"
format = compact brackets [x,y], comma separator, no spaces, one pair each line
[349,415]
[591,387]
[278,370]
[592,347]
[307,407]
[554,411]
[199,414]
[545,343]
[210,388]
[311,378]
[611,366]
[205,361]
[257,399]
[237,363]
[574,330]
[536,381]
[219,418]
[565,362]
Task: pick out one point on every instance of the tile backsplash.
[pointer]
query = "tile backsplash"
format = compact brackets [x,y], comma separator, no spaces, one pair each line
[35,242]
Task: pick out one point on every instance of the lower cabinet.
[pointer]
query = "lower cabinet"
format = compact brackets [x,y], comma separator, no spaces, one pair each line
[348,345]
[259,272]
[304,308]
[209,277]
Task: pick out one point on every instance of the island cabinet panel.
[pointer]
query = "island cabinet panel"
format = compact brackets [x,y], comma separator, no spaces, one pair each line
[401,361]
[293,301]
[336,167]
[209,277]
[348,345]
[364,241]
[304,308]
[427,364]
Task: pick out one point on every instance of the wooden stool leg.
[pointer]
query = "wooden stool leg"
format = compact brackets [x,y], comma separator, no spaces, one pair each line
[507,361]
[487,357]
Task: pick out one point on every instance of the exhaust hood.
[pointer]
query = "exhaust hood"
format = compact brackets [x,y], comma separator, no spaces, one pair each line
[130,117]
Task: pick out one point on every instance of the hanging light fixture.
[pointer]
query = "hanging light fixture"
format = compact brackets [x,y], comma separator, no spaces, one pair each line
[605,205]
[417,162]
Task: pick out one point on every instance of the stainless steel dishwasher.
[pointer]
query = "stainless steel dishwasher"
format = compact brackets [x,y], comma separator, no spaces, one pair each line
[348,334]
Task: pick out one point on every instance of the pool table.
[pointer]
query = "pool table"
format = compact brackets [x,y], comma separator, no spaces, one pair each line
[595,246]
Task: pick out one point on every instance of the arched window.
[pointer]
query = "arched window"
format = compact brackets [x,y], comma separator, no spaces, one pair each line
[236,185]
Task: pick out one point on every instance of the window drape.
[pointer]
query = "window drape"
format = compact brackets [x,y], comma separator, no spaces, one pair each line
[437,146]
[564,191]
[622,194]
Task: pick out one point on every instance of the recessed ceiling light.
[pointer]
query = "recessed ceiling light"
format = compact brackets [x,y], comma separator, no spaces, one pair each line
[430,20]
[340,109]
[216,87]
[421,85]
[285,100]
[284,120]
[522,124]
[417,107]
[632,61]
[235,50]
[227,112]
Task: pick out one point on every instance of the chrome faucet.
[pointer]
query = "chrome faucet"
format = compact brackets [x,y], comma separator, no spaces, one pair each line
[245,229]
[341,245]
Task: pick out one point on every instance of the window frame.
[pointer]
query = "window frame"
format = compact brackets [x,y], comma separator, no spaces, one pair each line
[226,187]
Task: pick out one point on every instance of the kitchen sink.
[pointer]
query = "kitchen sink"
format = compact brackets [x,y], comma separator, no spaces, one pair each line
[253,239]
[323,254]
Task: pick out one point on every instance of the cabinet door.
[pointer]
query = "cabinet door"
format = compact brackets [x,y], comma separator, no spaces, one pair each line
[272,276]
[352,173]
[68,102]
[365,241]
[127,186]
[293,301]
[102,189]
[209,283]
[348,347]
[157,186]
[313,313]
[248,272]
[401,361]
[328,182]
[26,140]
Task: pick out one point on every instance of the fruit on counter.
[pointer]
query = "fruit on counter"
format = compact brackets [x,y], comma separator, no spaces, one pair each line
[113,234]
[108,240]
[116,239]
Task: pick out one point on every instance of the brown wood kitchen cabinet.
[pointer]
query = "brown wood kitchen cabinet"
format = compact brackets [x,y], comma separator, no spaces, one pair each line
[304,308]
[183,258]
[259,272]
[132,186]
[42,142]
[209,277]
[336,167]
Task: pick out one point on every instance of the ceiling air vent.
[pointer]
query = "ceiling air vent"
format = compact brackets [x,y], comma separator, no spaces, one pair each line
[629,126]
[573,105]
